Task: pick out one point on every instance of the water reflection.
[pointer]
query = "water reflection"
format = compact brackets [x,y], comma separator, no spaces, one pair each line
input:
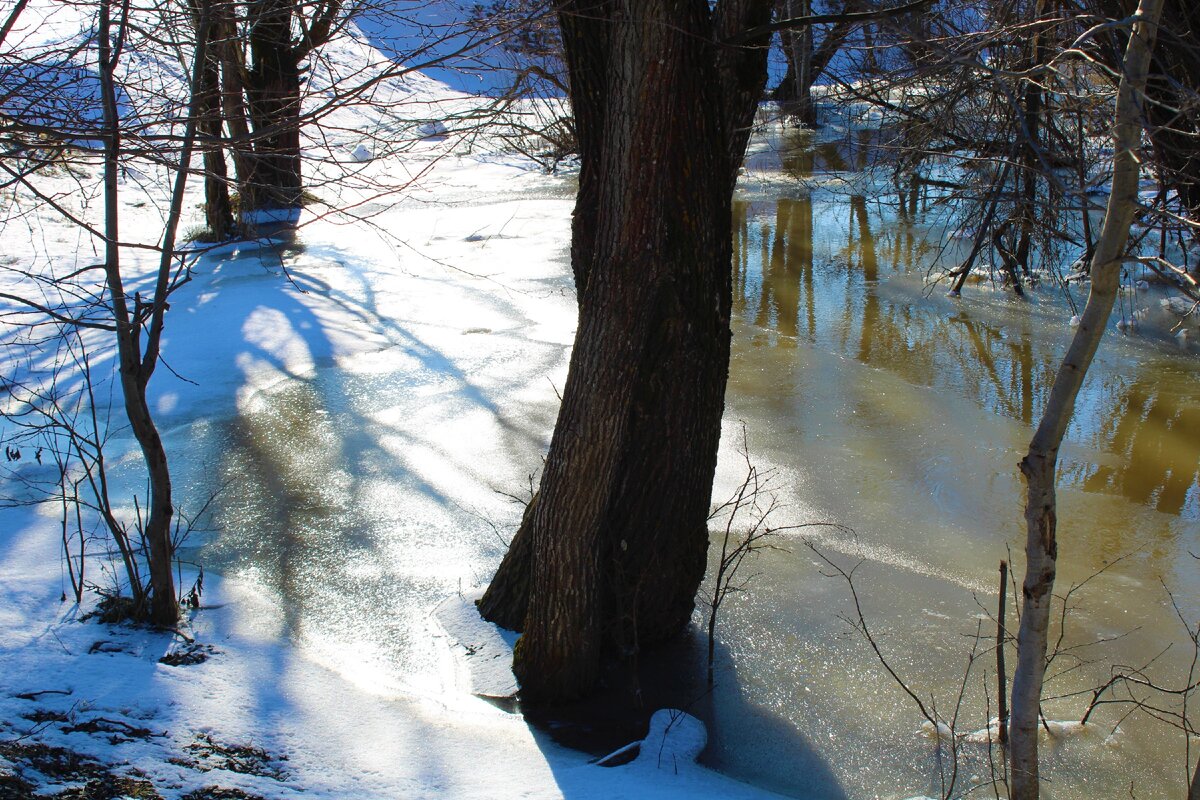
[1155,432]
[844,275]
[786,259]
[902,413]
[803,156]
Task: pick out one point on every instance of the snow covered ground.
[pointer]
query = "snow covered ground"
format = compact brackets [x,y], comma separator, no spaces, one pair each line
[457,291]
[258,715]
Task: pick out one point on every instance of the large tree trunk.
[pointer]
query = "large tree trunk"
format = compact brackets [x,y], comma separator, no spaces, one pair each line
[610,555]
[1040,463]
[274,105]
[218,210]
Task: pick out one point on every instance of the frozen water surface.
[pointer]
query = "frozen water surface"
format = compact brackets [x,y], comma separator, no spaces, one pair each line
[363,465]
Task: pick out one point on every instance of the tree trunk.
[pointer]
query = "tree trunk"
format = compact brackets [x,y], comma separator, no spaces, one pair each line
[799,50]
[218,210]
[274,105]
[806,62]
[614,547]
[1040,463]
[1032,102]
[163,608]
[233,98]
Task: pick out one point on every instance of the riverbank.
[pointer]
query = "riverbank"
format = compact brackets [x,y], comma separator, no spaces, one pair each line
[449,314]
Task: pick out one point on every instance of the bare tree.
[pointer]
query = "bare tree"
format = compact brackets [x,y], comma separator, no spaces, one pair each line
[1040,463]
[98,297]
[809,51]
[753,497]
[945,729]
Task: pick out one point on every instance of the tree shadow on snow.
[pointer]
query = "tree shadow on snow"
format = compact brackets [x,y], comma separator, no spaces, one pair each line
[345,492]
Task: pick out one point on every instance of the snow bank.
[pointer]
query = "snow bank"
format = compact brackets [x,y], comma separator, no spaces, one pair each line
[455,296]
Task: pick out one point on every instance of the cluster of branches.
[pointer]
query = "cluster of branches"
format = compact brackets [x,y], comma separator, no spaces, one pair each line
[535,108]
[1017,96]
[1038,102]
[1152,688]
[95,97]
[100,94]
[1021,113]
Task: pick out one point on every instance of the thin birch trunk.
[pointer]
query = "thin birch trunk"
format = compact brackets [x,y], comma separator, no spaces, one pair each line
[1040,463]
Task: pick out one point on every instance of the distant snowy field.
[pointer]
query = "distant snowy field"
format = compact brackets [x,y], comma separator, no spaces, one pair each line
[234,700]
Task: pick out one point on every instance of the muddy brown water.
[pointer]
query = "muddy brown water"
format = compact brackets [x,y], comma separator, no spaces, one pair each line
[890,408]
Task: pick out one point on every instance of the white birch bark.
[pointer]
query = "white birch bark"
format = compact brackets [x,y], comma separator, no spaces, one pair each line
[1040,463]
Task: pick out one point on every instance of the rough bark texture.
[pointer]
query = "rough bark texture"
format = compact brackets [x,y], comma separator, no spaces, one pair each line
[609,557]
[274,104]
[1039,464]
[218,210]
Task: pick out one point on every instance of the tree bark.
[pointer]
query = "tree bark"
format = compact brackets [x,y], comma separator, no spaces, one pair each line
[1040,463]
[163,608]
[273,91]
[614,547]
[218,210]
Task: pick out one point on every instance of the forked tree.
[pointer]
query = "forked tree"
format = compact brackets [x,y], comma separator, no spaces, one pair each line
[808,56]
[252,82]
[113,296]
[273,91]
